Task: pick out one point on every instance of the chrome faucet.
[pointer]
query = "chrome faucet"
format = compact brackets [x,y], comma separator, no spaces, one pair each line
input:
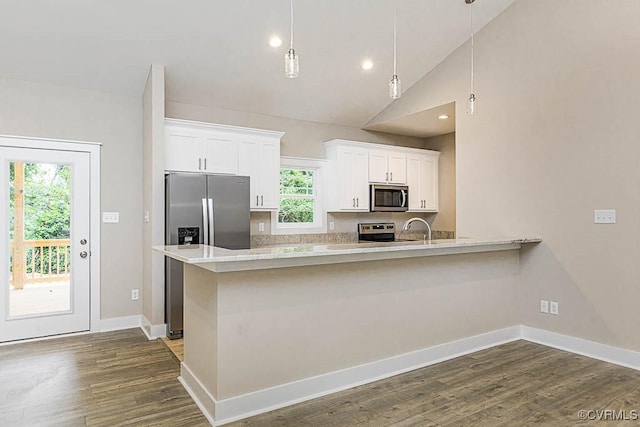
[407,224]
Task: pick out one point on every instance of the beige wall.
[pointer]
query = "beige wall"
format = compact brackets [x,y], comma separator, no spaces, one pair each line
[32,109]
[446,145]
[153,195]
[556,136]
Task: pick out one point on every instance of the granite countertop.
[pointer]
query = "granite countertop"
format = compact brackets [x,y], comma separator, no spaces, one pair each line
[297,255]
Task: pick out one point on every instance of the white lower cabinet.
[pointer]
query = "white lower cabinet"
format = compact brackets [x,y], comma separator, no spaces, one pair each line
[422,180]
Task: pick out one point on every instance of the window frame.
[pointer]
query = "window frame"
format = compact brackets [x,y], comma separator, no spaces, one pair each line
[319,224]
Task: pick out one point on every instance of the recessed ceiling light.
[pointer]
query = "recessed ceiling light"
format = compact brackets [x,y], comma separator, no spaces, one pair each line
[443,116]
[367,64]
[275,41]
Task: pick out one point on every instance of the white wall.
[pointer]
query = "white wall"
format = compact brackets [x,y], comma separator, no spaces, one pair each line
[32,109]
[446,145]
[556,136]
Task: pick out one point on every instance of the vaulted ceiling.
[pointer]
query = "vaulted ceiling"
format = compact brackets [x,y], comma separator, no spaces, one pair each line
[216,53]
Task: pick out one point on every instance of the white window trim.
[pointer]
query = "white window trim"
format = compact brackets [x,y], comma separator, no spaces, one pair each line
[320,226]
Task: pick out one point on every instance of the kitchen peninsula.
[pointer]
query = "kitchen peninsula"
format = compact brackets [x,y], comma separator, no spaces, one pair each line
[269,327]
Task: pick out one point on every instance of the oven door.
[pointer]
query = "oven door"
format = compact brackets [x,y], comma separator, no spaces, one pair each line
[389,198]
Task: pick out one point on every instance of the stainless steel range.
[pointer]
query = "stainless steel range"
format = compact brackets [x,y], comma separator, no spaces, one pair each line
[377,232]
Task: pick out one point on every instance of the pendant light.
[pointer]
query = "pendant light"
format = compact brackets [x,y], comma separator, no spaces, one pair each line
[291,65]
[395,91]
[471,107]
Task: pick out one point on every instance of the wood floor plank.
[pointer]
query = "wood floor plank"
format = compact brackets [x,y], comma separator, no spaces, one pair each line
[121,378]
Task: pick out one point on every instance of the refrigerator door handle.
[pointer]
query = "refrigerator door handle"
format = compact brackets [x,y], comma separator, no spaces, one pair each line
[211,237]
[205,223]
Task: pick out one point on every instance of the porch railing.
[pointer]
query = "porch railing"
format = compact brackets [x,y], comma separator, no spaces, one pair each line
[40,261]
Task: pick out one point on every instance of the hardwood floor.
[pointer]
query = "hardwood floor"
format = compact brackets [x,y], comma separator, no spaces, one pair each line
[107,379]
[121,378]
[176,347]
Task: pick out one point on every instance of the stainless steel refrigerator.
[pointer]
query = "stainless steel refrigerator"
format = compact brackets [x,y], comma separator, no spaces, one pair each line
[201,209]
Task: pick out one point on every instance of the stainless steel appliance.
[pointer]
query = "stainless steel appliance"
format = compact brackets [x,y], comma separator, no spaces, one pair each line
[201,209]
[389,198]
[377,232]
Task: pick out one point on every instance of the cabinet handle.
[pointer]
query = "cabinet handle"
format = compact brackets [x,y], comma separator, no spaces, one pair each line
[199,163]
[389,180]
[354,202]
[261,200]
[357,202]
[386,176]
[205,163]
[257,204]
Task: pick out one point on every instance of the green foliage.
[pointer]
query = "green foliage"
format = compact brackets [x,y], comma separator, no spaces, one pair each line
[298,184]
[47,199]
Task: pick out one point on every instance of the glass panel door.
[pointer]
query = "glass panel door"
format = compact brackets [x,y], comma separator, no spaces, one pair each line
[44,277]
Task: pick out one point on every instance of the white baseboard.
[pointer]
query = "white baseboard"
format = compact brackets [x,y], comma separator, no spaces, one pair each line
[236,408]
[604,352]
[153,331]
[116,323]
[198,392]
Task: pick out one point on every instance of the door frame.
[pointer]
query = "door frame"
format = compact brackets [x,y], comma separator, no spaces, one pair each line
[93,148]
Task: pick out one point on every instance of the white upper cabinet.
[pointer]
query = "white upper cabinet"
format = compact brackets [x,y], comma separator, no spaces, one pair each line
[422,179]
[354,165]
[210,148]
[348,184]
[259,158]
[387,166]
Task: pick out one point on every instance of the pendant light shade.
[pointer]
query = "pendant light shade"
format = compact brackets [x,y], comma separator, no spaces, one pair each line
[291,63]
[471,105]
[395,88]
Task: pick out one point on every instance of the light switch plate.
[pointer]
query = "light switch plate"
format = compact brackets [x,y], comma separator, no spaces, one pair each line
[604,216]
[554,307]
[111,217]
[544,306]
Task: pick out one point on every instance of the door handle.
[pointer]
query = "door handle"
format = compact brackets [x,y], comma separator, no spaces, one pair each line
[205,223]
[83,254]
[83,241]
[212,240]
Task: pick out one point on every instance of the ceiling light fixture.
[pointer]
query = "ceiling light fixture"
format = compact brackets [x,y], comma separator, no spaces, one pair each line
[443,116]
[291,63]
[367,64]
[275,41]
[395,91]
[471,107]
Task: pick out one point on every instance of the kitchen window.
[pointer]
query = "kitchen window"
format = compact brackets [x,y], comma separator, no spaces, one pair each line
[300,209]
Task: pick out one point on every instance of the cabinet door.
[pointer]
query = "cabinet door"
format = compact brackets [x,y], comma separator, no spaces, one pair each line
[360,184]
[220,152]
[345,166]
[378,166]
[414,181]
[429,180]
[269,175]
[397,166]
[182,150]
[248,156]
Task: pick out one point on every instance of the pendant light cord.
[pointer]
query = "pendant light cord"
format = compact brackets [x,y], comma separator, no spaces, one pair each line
[394,42]
[472,53]
[291,24]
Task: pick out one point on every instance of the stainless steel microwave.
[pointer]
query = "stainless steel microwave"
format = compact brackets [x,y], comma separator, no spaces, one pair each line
[389,198]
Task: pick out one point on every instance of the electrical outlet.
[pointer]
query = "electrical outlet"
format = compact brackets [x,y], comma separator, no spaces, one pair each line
[135,294]
[604,216]
[261,226]
[554,307]
[544,306]
[332,225]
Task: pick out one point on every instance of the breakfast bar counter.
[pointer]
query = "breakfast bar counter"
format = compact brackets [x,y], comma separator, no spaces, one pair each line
[268,327]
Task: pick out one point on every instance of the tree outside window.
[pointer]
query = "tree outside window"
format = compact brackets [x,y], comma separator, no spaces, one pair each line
[297,196]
